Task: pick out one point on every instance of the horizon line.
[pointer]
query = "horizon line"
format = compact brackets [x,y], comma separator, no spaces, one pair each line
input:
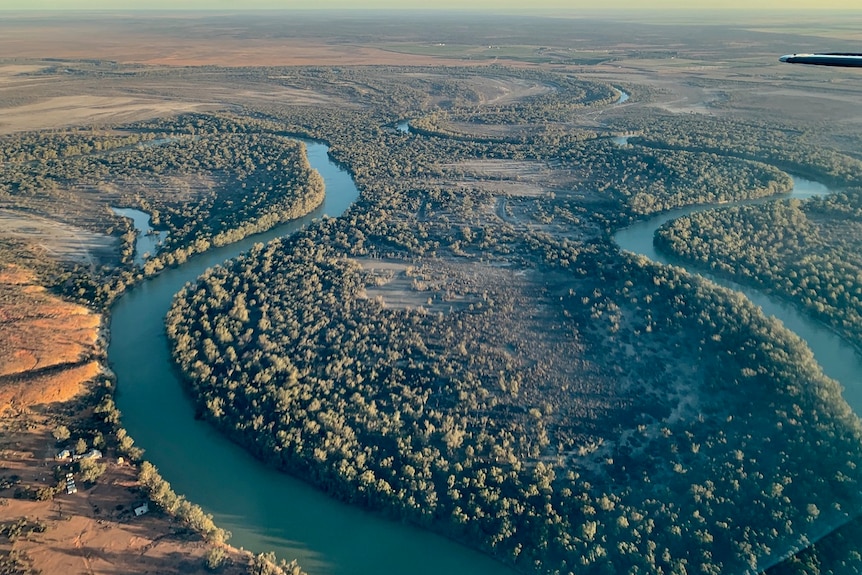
[440,10]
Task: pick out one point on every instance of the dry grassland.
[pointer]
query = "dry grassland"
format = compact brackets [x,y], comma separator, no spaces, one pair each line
[78,41]
[398,285]
[516,179]
[490,90]
[53,100]
[62,111]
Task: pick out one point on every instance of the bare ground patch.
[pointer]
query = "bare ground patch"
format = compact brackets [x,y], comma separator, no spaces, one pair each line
[60,241]
[504,187]
[400,285]
[56,385]
[84,109]
[500,169]
[523,194]
[488,131]
[516,179]
[499,91]
[490,90]
[46,344]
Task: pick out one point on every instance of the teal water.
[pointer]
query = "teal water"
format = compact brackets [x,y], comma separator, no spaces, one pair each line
[264,509]
[148,240]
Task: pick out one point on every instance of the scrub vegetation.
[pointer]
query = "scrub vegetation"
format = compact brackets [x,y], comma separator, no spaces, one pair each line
[202,190]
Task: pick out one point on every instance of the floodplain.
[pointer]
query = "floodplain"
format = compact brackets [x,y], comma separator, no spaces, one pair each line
[465,349]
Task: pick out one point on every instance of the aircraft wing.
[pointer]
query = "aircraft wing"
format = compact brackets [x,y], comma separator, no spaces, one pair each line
[828,59]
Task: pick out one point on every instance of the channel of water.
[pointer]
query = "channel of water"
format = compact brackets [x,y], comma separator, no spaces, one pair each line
[266,510]
[148,240]
[838,359]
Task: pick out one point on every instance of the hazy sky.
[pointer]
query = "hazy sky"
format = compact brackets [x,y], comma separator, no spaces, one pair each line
[491,5]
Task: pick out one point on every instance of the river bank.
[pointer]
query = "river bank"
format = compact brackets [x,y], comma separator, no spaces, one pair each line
[839,359]
[263,508]
[50,372]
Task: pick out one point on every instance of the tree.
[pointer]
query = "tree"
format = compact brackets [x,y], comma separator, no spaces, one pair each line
[215,558]
[91,470]
[61,433]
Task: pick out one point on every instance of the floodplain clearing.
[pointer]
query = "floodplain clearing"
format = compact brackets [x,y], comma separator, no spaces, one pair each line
[82,110]
[61,241]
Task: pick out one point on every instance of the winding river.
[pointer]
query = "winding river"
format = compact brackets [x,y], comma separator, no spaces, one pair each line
[268,510]
[263,508]
[838,359]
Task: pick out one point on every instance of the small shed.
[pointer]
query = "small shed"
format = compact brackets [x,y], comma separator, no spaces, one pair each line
[142,509]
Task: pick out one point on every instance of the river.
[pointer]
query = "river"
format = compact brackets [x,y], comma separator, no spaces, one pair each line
[838,359]
[147,240]
[266,510]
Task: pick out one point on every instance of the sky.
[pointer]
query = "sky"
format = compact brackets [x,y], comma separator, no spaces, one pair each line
[469,5]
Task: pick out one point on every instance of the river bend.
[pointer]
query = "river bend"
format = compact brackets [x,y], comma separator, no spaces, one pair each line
[838,359]
[266,510]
